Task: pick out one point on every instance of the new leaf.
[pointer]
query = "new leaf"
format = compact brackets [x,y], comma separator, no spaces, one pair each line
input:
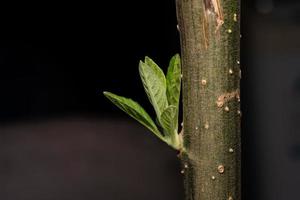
[174,84]
[133,109]
[168,122]
[155,85]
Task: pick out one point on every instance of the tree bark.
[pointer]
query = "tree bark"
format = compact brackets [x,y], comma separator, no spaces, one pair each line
[210,50]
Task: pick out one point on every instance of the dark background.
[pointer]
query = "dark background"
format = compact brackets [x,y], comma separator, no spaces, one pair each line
[61,140]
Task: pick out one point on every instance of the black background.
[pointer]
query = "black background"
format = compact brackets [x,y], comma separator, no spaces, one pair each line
[60,139]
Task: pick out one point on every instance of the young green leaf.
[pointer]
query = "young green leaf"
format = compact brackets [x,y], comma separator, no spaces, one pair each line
[133,109]
[168,122]
[154,82]
[174,83]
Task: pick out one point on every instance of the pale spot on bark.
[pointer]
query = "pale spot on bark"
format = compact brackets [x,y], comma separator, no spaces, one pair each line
[235,17]
[221,169]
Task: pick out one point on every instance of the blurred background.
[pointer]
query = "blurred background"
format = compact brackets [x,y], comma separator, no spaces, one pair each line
[61,140]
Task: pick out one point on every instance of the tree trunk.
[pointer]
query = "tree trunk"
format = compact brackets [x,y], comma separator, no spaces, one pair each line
[210,43]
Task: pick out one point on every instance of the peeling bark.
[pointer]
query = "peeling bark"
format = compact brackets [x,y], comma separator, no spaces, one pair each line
[224,98]
[213,7]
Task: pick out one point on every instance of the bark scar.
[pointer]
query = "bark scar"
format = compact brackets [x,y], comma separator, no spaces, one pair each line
[214,7]
[204,26]
[224,98]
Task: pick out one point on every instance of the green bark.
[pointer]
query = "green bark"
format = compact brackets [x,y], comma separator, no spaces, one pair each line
[210,49]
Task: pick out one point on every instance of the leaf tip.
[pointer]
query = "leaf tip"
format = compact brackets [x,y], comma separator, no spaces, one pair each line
[176,58]
[147,58]
[177,55]
[105,93]
[150,62]
[108,95]
[141,67]
[141,63]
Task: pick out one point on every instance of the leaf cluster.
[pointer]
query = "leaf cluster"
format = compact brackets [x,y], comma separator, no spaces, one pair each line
[163,93]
